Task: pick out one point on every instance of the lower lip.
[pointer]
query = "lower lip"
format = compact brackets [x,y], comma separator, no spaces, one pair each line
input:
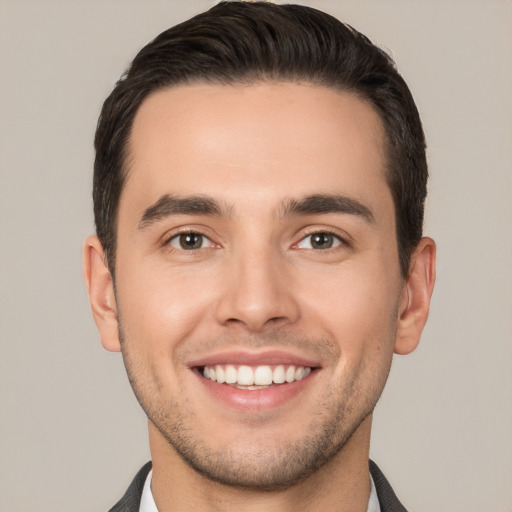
[256,399]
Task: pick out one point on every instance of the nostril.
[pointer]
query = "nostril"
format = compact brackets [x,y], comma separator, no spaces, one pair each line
[257,324]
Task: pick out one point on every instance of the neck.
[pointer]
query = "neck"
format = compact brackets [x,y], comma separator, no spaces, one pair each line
[342,484]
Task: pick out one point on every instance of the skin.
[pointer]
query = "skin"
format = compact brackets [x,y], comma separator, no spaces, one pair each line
[256,285]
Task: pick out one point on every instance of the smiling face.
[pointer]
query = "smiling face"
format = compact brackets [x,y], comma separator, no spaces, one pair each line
[258,288]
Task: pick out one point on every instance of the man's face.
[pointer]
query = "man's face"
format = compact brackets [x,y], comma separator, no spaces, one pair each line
[256,240]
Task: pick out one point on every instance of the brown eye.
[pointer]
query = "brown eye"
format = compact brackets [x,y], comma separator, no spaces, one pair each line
[189,241]
[319,241]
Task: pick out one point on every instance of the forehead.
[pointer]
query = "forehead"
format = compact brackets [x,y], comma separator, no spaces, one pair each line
[255,144]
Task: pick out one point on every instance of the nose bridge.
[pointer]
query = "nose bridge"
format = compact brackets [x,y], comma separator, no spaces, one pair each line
[257,291]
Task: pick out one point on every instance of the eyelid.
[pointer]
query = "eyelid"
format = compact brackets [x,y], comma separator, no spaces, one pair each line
[204,241]
[185,230]
[343,239]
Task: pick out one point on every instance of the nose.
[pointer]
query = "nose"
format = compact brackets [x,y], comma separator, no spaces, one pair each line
[257,292]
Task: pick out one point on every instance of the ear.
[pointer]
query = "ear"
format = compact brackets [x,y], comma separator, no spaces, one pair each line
[100,288]
[416,294]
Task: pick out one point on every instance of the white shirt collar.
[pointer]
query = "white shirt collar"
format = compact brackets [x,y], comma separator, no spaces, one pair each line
[147,503]
[373,502]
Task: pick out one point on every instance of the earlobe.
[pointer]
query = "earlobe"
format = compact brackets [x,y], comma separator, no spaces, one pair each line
[100,288]
[416,294]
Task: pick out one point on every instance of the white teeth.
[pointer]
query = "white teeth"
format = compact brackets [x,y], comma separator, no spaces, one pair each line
[245,376]
[221,376]
[278,376]
[302,372]
[290,374]
[263,376]
[254,378]
[231,374]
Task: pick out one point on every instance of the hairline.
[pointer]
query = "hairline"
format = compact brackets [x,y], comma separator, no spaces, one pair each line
[252,79]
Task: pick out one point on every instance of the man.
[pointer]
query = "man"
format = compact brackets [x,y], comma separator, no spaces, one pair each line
[259,186]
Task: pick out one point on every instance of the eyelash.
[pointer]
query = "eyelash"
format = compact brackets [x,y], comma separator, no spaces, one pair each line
[339,240]
[190,232]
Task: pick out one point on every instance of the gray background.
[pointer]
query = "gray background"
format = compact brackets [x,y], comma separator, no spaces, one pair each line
[72,435]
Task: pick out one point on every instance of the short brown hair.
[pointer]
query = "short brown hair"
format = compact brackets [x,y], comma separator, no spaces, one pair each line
[240,43]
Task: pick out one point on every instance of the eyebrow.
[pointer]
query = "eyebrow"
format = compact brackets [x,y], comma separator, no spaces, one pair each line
[316,204]
[169,205]
[328,203]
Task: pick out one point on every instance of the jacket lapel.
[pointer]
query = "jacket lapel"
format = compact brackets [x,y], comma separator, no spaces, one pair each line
[130,502]
[387,497]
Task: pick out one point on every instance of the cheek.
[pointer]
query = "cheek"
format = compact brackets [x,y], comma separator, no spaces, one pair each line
[352,299]
[159,307]
[356,306]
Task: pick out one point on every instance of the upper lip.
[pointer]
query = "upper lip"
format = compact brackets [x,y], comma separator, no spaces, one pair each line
[244,357]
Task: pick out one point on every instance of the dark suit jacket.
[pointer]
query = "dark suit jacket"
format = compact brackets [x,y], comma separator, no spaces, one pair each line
[130,502]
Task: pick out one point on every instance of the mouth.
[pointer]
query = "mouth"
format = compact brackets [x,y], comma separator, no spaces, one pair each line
[255,381]
[254,377]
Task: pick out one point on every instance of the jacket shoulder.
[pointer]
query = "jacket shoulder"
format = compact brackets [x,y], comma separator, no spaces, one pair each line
[387,498]
[130,502]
